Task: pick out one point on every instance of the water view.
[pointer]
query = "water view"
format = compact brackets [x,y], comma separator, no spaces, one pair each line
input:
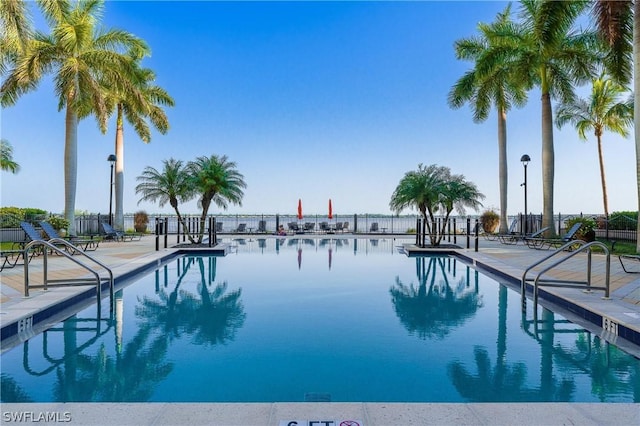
[333,319]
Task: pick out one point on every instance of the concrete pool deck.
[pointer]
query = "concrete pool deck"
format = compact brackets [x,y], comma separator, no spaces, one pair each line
[507,260]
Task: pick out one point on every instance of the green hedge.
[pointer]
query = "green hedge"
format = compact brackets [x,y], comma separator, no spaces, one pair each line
[10,217]
[623,220]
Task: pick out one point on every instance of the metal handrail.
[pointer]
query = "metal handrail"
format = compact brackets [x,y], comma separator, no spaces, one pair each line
[564,283]
[51,244]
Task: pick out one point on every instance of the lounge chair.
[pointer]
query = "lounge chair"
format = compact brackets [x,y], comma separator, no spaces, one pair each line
[218,227]
[547,243]
[262,226]
[242,227]
[11,258]
[374,227]
[34,235]
[293,226]
[84,244]
[632,258]
[110,233]
[309,226]
[511,237]
[324,227]
[345,227]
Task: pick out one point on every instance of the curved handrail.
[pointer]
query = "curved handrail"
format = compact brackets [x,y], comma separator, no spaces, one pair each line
[50,244]
[583,247]
[523,282]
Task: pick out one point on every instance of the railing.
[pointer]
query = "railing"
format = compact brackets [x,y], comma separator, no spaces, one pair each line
[538,282]
[52,245]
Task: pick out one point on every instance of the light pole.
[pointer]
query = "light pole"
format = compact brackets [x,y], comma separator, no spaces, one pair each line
[525,160]
[111,159]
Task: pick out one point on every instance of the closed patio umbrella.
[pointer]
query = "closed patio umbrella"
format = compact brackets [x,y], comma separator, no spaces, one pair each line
[299,209]
[330,210]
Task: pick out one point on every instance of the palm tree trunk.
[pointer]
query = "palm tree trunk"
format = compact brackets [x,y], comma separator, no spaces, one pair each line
[70,165]
[636,111]
[547,164]
[602,179]
[502,169]
[119,172]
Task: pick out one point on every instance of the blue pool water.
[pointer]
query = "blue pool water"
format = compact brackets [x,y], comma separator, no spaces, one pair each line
[317,320]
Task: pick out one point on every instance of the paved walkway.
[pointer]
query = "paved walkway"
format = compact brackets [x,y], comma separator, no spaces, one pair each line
[508,260]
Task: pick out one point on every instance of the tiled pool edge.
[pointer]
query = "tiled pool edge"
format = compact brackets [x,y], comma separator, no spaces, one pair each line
[628,332]
[19,323]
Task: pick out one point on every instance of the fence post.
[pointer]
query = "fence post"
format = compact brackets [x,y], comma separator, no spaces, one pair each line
[157,235]
[166,231]
[418,231]
[355,223]
[455,231]
[477,231]
[468,232]
[211,230]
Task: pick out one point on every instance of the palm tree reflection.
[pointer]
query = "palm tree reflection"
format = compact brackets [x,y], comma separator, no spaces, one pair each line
[211,317]
[435,307]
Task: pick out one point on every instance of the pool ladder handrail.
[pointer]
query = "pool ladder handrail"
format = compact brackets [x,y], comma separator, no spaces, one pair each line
[566,283]
[52,244]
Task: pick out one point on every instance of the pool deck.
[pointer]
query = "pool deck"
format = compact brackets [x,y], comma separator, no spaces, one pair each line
[505,261]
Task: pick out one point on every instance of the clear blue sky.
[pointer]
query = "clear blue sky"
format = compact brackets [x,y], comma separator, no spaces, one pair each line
[313,101]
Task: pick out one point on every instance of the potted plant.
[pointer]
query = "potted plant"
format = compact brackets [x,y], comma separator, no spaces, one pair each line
[587,231]
[489,221]
[140,221]
[60,224]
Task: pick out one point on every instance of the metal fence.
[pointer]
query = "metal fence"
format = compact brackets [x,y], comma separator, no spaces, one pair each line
[618,228]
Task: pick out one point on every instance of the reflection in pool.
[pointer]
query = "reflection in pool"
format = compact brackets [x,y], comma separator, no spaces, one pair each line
[337,319]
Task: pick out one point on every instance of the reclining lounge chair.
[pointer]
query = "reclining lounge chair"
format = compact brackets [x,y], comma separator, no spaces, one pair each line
[84,244]
[547,243]
[110,233]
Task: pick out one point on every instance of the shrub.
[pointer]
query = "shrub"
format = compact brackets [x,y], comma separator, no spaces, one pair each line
[587,230]
[140,220]
[623,220]
[58,222]
[489,220]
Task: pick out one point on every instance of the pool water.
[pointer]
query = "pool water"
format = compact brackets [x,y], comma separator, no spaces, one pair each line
[340,320]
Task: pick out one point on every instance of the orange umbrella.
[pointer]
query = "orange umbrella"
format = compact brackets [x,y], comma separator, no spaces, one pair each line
[300,209]
[330,210]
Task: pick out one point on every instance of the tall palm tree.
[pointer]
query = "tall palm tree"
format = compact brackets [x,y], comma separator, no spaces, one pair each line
[79,55]
[6,157]
[140,107]
[602,111]
[433,190]
[554,57]
[619,24]
[16,29]
[171,185]
[490,82]
[217,180]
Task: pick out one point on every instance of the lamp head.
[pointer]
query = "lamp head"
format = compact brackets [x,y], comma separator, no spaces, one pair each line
[111,158]
[525,159]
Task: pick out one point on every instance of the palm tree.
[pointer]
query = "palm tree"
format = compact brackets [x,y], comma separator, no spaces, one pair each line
[6,157]
[140,107]
[602,111]
[16,29]
[432,190]
[216,180]
[80,55]
[619,24]
[551,55]
[171,185]
[490,82]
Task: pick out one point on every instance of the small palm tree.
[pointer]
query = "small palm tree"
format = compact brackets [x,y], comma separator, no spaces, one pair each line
[432,190]
[602,112]
[216,180]
[172,185]
[80,56]
[6,157]
[491,82]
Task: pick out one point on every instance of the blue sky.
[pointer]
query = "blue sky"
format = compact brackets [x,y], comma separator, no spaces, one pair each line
[313,101]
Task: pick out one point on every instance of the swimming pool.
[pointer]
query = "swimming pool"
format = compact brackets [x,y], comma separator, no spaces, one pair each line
[310,319]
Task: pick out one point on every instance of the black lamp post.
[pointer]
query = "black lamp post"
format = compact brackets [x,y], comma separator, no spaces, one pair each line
[111,159]
[525,160]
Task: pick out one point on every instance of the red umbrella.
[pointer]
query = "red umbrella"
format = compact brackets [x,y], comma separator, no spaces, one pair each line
[330,210]
[299,209]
